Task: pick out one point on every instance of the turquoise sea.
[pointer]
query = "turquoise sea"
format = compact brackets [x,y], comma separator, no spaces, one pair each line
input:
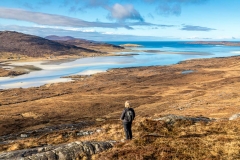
[149,54]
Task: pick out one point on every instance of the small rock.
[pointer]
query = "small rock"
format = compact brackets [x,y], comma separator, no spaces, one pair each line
[235,116]
[98,130]
[23,135]
[100,119]
[84,133]
[79,134]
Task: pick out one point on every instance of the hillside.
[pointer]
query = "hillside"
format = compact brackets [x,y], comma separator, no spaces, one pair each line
[19,46]
[61,113]
[56,38]
[33,46]
[85,43]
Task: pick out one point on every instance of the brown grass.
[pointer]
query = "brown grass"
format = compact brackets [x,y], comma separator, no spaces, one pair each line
[183,140]
[211,90]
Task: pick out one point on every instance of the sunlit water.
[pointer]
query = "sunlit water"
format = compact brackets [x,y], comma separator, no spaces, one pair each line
[158,53]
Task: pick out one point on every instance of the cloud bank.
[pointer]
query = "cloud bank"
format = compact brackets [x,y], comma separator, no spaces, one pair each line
[164,7]
[173,7]
[196,28]
[117,11]
[64,21]
[90,35]
[53,20]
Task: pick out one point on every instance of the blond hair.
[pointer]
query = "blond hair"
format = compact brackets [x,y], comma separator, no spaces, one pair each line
[127,104]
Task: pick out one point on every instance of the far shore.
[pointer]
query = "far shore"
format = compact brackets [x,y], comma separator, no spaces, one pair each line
[183,53]
[131,45]
[26,65]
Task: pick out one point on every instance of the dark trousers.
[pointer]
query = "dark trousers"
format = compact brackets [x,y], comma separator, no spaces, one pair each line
[127,129]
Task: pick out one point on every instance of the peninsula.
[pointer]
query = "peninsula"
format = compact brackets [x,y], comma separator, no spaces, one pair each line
[131,45]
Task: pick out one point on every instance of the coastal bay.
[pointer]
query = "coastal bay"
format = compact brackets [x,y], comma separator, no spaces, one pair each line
[72,97]
[150,54]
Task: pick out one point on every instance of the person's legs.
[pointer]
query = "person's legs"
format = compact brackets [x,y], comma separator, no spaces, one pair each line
[125,126]
[130,130]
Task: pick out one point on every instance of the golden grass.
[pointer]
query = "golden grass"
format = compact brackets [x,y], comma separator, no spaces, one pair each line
[158,140]
[182,140]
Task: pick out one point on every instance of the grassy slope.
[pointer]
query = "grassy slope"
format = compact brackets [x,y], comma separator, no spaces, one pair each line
[211,90]
[182,140]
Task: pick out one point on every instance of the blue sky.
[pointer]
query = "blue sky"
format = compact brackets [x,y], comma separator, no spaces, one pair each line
[121,20]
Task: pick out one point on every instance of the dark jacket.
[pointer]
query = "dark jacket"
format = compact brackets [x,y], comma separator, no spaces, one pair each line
[123,116]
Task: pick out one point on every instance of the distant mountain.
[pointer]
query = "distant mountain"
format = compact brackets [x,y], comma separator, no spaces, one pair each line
[56,38]
[34,46]
[85,43]
[225,43]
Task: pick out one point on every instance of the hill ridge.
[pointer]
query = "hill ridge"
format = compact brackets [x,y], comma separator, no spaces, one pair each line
[34,46]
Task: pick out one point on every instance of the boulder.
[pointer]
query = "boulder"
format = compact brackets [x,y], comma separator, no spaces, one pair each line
[171,118]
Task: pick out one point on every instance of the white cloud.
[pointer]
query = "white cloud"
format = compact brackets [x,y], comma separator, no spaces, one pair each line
[53,20]
[124,12]
[88,30]
[112,33]
[97,36]
[43,19]
[66,28]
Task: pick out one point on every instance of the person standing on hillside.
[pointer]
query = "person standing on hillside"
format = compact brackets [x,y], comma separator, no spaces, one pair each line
[127,117]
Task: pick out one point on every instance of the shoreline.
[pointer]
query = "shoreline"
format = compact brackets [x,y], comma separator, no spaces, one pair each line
[35,62]
[46,64]
[60,60]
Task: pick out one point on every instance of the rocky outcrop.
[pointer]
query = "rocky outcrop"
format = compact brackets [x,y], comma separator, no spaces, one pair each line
[173,118]
[70,151]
